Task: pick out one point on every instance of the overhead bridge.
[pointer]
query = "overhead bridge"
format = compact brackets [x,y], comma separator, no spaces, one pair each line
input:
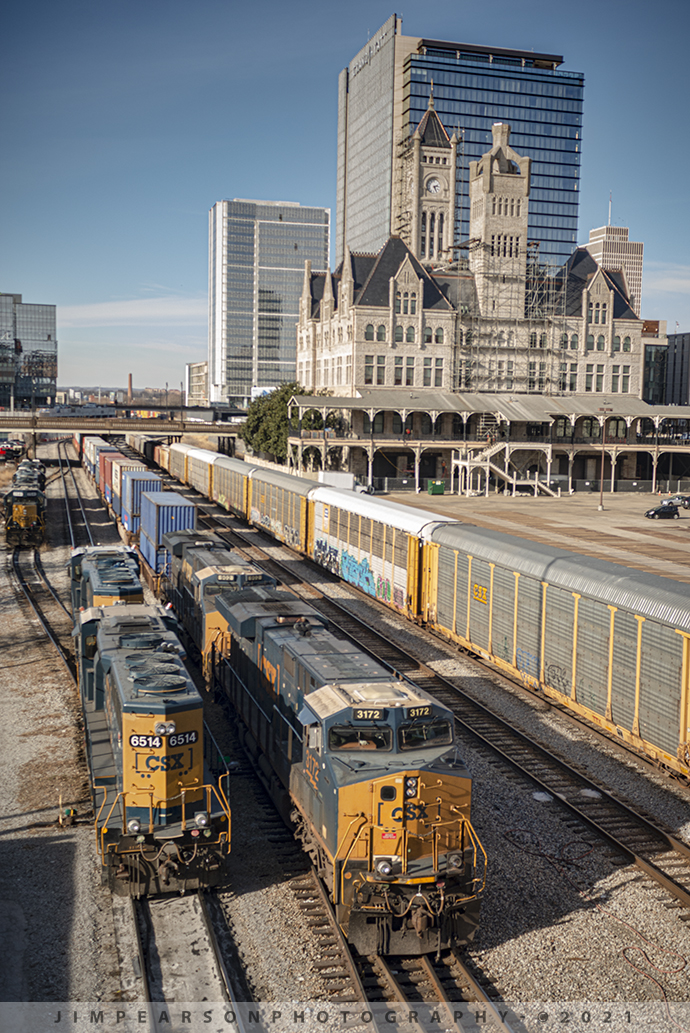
[13,422]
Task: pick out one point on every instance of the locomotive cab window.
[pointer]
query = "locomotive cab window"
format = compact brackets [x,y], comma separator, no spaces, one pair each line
[418,734]
[363,737]
[388,792]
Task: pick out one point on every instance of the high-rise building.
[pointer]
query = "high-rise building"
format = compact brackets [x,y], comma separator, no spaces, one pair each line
[383,95]
[678,369]
[610,248]
[28,352]
[257,251]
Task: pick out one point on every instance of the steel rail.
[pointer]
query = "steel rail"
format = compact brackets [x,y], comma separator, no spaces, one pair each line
[42,619]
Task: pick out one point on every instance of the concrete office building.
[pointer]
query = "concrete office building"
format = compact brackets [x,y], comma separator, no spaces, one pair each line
[196,383]
[28,353]
[610,248]
[383,95]
[257,251]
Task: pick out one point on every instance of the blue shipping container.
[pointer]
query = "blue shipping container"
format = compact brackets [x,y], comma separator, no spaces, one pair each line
[163,512]
[157,558]
[135,483]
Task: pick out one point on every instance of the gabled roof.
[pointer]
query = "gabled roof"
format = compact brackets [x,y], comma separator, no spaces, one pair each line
[376,289]
[581,269]
[431,130]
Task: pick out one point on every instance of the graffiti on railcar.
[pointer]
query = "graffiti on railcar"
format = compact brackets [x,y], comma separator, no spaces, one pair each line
[383,589]
[557,677]
[358,573]
[327,555]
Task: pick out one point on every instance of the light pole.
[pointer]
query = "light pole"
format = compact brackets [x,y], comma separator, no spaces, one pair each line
[601,477]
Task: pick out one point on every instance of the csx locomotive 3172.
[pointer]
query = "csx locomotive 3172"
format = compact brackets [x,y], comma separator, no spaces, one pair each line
[159,785]
[368,769]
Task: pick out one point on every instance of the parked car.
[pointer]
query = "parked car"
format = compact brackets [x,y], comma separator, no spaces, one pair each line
[663,512]
[678,500]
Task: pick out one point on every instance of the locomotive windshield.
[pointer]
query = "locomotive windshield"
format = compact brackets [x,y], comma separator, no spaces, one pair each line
[418,734]
[363,737]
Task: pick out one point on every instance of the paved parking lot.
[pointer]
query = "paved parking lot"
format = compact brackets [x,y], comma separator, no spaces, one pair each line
[620,533]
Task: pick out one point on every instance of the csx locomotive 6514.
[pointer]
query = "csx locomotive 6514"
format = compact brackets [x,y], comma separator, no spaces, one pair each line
[103,575]
[159,785]
[368,769]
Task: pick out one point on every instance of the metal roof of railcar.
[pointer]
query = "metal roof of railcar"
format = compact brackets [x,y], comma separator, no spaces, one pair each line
[394,514]
[300,485]
[648,595]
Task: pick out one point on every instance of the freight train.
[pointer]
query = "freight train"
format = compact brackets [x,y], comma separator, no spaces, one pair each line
[25,505]
[610,643]
[367,768]
[365,765]
[158,781]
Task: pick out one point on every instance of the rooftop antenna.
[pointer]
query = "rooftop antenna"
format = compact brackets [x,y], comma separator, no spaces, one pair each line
[610,196]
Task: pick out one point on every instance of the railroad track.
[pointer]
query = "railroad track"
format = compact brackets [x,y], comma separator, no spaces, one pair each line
[51,613]
[630,832]
[78,525]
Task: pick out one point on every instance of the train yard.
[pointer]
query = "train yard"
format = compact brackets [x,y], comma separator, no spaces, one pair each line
[588,886]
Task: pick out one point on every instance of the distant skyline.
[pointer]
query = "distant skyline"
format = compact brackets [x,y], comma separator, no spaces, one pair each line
[124,124]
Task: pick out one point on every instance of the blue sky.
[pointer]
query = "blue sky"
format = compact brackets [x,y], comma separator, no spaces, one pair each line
[124,122]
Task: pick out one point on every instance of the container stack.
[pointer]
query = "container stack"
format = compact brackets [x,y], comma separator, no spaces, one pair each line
[119,467]
[162,512]
[133,484]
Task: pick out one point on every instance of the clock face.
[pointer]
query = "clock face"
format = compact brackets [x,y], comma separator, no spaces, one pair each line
[433,186]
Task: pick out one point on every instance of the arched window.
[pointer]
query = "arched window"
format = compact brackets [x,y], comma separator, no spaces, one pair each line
[603,313]
[409,335]
[517,207]
[405,303]
[601,343]
[573,342]
[533,339]
[590,342]
[439,335]
[542,340]
[397,302]
[423,241]
[596,313]
[427,335]
[413,303]
[626,344]
[369,332]
[432,230]
[398,333]
[397,423]
[590,312]
[381,333]
[616,343]
[564,340]
[425,423]
[493,207]
[440,234]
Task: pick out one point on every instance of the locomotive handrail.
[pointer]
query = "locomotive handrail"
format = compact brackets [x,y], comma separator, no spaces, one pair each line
[210,790]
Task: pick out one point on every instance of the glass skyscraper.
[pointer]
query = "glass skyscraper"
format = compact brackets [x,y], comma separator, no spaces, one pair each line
[28,352]
[382,97]
[257,251]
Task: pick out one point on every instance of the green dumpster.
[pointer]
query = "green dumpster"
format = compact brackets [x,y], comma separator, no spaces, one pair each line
[436,487]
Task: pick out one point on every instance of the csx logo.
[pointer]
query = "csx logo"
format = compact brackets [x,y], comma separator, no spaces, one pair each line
[411,811]
[173,762]
[479,593]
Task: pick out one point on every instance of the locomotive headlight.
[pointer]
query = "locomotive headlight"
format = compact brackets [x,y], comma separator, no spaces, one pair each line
[410,787]
[159,728]
[201,819]
[454,861]
[169,728]
[384,869]
[134,826]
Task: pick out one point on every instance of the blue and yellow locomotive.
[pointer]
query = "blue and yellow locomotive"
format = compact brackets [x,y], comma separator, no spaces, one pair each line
[104,575]
[159,784]
[25,505]
[367,768]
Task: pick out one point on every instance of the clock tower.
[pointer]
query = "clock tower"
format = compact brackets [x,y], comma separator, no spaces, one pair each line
[426,206]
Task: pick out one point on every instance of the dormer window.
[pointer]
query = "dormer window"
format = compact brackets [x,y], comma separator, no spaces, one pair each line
[405,306]
[413,303]
[397,302]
